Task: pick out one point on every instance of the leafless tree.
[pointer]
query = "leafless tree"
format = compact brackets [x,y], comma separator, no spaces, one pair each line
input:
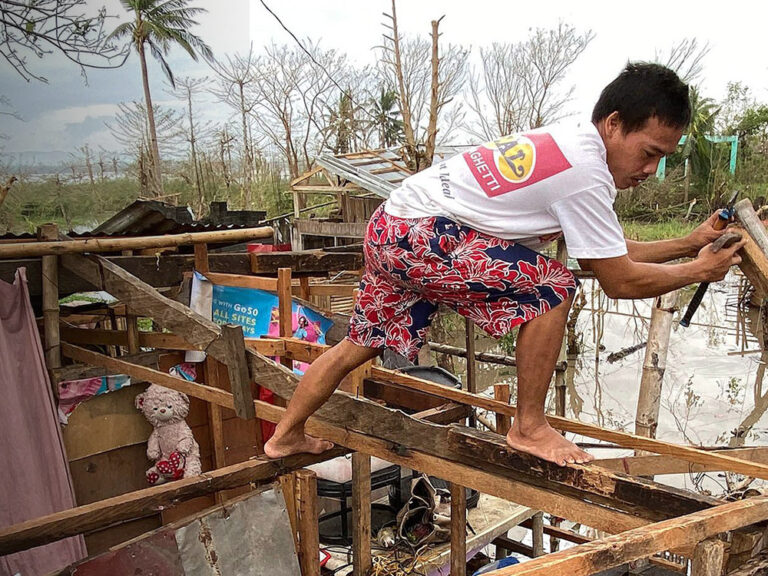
[234,77]
[130,128]
[520,85]
[426,82]
[686,58]
[188,88]
[45,26]
[293,90]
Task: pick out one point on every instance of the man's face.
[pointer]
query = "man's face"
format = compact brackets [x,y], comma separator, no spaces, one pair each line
[634,156]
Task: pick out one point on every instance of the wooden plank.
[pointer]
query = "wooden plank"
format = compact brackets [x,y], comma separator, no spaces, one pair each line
[82,371]
[345,290]
[560,533]
[458,530]
[361,514]
[621,438]
[239,373]
[653,465]
[709,558]
[632,545]
[490,452]
[331,229]
[94,245]
[309,532]
[266,346]
[253,282]
[637,496]
[142,298]
[143,502]
[311,262]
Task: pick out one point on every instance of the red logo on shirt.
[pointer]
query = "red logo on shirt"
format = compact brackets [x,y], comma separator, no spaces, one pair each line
[516,161]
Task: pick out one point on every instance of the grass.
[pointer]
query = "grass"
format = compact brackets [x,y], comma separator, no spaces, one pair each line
[650,231]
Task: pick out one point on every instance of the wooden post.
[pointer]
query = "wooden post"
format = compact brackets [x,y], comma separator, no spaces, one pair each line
[471,366]
[361,513]
[309,537]
[285,308]
[709,558]
[132,328]
[304,287]
[501,393]
[458,530]
[654,365]
[288,486]
[50,285]
[537,534]
[353,382]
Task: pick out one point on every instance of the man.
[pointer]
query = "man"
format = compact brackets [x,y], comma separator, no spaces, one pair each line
[465,233]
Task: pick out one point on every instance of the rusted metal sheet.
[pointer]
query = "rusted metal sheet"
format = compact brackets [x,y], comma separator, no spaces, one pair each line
[252,536]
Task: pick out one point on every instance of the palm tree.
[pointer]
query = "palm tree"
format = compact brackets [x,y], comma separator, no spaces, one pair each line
[160,24]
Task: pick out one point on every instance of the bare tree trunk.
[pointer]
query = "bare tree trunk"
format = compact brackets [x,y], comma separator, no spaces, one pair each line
[411,148]
[193,150]
[157,180]
[429,152]
[248,153]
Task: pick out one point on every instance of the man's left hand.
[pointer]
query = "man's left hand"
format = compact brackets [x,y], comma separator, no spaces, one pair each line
[704,234]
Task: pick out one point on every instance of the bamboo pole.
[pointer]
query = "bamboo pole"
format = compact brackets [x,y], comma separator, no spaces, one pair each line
[92,245]
[654,365]
[50,285]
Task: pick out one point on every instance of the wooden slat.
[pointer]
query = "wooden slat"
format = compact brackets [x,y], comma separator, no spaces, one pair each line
[621,438]
[309,537]
[240,281]
[653,465]
[266,346]
[143,502]
[361,514]
[458,530]
[642,542]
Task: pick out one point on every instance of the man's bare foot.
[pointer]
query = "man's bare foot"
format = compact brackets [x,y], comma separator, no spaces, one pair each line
[547,443]
[295,444]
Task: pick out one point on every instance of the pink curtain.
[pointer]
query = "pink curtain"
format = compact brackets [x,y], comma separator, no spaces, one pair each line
[34,476]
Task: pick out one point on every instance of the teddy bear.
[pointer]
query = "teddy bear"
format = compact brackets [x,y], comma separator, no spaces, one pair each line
[171,445]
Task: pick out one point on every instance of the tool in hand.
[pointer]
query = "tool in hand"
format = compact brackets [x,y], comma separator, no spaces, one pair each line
[724,241]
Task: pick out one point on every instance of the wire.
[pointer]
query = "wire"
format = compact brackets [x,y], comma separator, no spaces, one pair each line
[311,57]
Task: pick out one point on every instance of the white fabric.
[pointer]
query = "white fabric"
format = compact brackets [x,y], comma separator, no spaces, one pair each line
[340,469]
[200,301]
[528,188]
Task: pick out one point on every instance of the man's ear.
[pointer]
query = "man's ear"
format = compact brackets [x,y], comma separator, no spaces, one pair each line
[612,123]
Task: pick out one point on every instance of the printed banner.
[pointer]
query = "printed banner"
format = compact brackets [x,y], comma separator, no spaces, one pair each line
[258,313]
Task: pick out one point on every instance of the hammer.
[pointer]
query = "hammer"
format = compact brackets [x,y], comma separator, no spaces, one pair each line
[726,240]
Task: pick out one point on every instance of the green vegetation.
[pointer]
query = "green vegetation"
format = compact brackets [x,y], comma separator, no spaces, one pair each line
[650,231]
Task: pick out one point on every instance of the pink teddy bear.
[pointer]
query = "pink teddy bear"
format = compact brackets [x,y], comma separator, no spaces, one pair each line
[171,444]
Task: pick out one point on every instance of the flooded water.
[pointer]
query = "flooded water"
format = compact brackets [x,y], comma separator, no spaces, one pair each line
[710,386]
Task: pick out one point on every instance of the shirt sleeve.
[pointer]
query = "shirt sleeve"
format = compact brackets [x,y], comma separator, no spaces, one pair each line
[590,225]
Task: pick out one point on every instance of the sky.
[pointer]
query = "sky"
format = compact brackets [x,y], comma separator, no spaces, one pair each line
[67,112]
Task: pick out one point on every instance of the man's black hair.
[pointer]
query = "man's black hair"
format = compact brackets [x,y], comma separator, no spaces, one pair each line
[644,90]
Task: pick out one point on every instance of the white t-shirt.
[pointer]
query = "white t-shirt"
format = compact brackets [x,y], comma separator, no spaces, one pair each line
[525,187]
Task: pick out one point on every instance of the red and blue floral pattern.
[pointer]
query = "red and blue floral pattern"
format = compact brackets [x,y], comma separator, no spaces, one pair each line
[414,264]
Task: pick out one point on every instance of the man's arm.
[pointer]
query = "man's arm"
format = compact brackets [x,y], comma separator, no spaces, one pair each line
[621,277]
[666,250]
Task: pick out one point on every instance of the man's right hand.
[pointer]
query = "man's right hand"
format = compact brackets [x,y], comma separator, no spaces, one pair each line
[715,265]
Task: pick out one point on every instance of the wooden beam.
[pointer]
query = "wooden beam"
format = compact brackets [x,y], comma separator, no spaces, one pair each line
[331,229]
[103,513]
[560,533]
[254,282]
[621,438]
[309,537]
[458,530]
[653,465]
[266,346]
[490,452]
[632,545]
[361,514]
[709,558]
[94,245]
[239,372]
[314,262]
[82,371]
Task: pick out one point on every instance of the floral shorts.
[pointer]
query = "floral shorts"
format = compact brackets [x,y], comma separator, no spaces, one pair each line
[414,264]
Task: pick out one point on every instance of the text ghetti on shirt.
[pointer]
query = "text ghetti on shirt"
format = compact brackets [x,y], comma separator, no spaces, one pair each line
[528,187]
